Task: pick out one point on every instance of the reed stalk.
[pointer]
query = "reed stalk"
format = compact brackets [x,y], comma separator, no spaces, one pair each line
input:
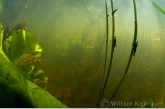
[107,32]
[130,58]
[112,47]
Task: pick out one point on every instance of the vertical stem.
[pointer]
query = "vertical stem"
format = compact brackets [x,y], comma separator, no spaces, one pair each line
[112,47]
[107,32]
[135,14]
[135,35]
[113,34]
[130,58]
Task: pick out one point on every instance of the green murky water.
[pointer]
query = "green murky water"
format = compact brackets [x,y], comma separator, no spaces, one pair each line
[72,35]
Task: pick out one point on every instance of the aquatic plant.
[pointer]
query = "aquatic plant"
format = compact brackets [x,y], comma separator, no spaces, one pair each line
[22,49]
[130,58]
[18,26]
[107,30]
[157,6]
[112,50]
[84,36]
[16,90]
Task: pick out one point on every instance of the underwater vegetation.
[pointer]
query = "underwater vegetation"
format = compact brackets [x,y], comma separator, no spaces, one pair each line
[102,89]
[157,6]
[76,42]
[8,30]
[132,49]
[20,80]
[22,49]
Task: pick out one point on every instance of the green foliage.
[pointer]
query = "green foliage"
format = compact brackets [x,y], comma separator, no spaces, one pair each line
[39,74]
[21,43]
[38,77]
[17,67]
[42,98]
[158,7]
[23,50]
[13,86]
[1,35]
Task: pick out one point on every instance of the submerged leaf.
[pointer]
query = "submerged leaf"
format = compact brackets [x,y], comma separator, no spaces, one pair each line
[21,42]
[42,98]
[28,57]
[16,91]
[158,7]
[6,45]
[39,78]
[1,35]
[23,50]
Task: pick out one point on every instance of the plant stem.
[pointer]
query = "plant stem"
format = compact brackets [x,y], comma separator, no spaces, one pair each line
[102,90]
[130,58]
[112,47]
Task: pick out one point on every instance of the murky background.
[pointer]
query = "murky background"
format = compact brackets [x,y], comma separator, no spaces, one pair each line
[72,35]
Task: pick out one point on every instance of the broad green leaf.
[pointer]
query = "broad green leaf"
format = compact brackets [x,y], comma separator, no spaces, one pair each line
[42,98]
[38,77]
[13,86]
[15,90]
[21,43]
[23,50]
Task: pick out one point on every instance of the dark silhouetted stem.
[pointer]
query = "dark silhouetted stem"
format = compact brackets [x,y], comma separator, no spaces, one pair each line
[134,41]
[107,30]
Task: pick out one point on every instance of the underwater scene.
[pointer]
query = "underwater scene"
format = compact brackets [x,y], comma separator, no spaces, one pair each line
[82,53]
